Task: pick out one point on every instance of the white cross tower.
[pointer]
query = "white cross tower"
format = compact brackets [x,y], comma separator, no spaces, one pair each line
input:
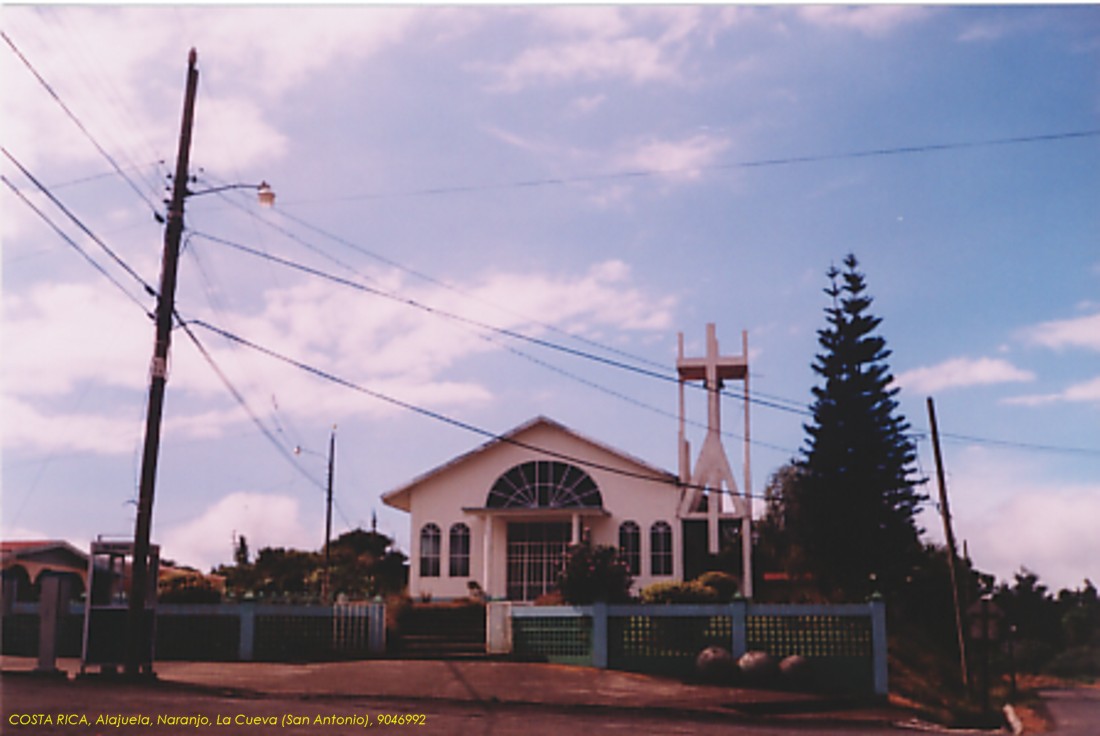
[712,479]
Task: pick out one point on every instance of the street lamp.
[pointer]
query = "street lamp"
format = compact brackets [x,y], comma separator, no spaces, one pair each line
[264,193]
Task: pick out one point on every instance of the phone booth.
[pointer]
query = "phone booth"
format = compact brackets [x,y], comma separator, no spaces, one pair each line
[107,605]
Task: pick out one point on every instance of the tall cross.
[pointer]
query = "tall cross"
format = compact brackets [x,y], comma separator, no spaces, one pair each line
[712,370]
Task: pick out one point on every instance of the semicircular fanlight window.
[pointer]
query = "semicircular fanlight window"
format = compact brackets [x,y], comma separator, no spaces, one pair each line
[544,484]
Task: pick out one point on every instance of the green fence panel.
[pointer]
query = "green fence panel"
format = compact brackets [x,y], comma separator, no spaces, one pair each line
[840,648]
[663,645]
[556,639]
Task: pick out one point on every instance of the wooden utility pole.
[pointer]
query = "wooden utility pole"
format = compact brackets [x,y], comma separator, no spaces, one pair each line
[952,561]
[326,580]
[138,630]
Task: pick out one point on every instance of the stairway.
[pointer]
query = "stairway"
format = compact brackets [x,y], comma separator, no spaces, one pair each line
[441,631]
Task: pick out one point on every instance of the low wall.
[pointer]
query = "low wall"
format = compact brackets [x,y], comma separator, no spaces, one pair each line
[846,644]
[214,632]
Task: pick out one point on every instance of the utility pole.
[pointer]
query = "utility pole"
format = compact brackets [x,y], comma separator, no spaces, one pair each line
[952,562]
[138,629]
[325,589]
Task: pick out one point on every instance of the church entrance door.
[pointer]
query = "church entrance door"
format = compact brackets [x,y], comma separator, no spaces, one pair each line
[536,551]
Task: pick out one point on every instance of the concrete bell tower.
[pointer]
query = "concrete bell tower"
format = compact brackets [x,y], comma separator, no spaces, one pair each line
[711,491]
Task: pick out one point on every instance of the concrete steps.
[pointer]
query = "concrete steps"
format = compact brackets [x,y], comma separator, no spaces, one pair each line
[441,631]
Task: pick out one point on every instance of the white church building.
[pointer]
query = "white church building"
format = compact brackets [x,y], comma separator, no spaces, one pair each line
[504,514]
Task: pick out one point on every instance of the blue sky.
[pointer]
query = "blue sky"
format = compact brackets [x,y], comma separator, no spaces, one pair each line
[601,178]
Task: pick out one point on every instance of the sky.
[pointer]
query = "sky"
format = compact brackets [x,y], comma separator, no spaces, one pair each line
[597,179]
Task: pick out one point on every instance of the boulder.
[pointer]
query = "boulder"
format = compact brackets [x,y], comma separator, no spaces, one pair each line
[795,671]
[714,664]
[758,668]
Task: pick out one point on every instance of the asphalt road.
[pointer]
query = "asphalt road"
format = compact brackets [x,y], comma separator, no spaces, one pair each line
[1076,712]
[231,714]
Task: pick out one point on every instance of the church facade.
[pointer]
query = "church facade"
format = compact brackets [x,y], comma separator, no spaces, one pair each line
[502,516]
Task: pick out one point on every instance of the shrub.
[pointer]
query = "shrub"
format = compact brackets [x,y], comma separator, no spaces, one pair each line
[673,592]
[594,574]
[725,585]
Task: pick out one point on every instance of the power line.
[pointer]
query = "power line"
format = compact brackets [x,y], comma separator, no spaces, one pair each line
[76,246]
[445,419]
[240,399]
[450,287]
[87,134]
[407,301]
[1020,445]
[772,402]
[750,164]
[374,255]
[106,248]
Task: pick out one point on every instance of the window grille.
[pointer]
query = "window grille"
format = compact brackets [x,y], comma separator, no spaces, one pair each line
[660,545]
[630,546]
[544,484]
[429,551]
[460,551]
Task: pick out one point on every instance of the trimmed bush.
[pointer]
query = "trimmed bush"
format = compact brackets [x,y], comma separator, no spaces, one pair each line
[673,592]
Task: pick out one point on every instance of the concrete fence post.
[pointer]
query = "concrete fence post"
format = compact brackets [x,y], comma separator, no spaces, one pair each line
[879,645]
[246,610]
[599,634]
[498,627]
[53,605]
[739,620]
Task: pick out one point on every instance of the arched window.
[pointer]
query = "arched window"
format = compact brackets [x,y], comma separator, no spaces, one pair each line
[630,546]
[660,547]
[460,551]
[430,539]
[544,484]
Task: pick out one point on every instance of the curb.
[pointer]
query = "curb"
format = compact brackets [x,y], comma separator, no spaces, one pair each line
[1013,720]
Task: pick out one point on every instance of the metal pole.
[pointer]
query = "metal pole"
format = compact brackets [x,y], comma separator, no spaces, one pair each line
[952,562]
[137,645]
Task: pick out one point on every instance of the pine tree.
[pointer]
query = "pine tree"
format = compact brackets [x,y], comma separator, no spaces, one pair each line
[853,510]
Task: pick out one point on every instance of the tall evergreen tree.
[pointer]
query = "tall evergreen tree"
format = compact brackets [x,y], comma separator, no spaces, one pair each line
[853,508]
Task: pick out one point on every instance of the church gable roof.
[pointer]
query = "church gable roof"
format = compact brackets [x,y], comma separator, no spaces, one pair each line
[399,497]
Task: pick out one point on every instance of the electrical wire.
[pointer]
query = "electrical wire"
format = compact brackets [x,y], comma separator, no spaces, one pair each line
[734,165]
[450,287]
[76,220]
[666,479]
[240,399]
[76,246]
[416,304]
[83,129]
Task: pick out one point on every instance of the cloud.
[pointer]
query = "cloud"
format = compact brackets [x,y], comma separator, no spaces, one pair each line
[962,372]
[80,340]
[1078,332]
[236,135]
[874,20]
[68,333]
[586,105]
[265,520]
[676,159]
[1052,533]
[108,65]
[28,426]
[638,60]
[637,45]
[1014,512]
[1087,392]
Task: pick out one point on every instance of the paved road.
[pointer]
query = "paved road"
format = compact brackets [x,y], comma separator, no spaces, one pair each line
[1076,712]
[251,715]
